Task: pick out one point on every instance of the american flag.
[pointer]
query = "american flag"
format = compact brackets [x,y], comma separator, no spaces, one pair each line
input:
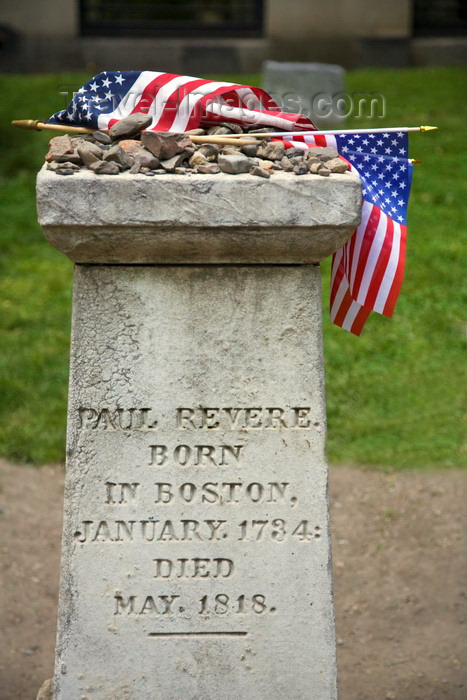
[367,271]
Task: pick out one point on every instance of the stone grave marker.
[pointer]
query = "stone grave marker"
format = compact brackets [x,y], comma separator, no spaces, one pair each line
[196,547]
[314,89]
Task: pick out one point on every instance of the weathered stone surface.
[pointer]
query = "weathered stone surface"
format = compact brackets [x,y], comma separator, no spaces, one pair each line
[134,219]
[165,145]
[129,126]
[196,553]
[234,164]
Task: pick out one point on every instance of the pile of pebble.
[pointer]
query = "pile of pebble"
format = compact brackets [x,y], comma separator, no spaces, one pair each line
[126,147]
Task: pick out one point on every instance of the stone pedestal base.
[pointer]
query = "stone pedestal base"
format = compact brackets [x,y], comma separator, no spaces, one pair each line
[196,552]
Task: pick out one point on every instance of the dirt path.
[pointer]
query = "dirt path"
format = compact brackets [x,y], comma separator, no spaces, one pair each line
[399,572]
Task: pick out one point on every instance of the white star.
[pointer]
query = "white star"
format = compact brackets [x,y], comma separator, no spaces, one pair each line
[359,149]
[69,116]
[385,136]
[394,142]
[402,150]
[401,202]
[93,87]
[403,168]
[400,134]
[371,136]
[393,209]
[379,143]
[400,218]
[109,95]
[402,185]
[374,167]
[365,142]
[387,200]
[373,150]
[366,158]
[119,79]
[395,176]
[106,83]
[387,150]
[88,117]
[351,141]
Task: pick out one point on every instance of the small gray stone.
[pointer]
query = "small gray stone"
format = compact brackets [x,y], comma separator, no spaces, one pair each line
[172,163]
[234,164]
[129,126]
[65,171]
[208,168]
[231,150]
[286,164]
[337,165]
[301,169]
[105,167]
[135,168]
[146,159]
[234,128]
[195,132]
[87,156]
[273,150]
[196,159]
[118,155]
[293,151]
[219,131]
[318,168]
[296,160]
[150,173]
[250,149]
[260,172]
[322,152]
[210,150]
[102,137]
[180,171]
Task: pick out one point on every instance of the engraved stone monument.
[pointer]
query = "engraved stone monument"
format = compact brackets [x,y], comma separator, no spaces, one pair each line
[196,546]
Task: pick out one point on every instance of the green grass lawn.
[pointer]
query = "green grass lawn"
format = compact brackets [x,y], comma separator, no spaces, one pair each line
[394,395]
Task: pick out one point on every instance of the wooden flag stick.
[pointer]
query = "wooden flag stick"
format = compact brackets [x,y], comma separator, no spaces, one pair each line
[37,125]
[389,130]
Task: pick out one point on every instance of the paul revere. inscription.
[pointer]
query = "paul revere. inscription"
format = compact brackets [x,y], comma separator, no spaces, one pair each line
[239,418]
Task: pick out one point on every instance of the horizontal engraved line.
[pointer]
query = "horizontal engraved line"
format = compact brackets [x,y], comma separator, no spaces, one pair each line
[196,634]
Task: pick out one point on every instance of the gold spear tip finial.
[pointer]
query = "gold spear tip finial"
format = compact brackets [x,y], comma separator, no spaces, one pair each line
[31,124]
[428,128]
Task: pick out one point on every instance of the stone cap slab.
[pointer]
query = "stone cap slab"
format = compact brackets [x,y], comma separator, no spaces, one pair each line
[135,219]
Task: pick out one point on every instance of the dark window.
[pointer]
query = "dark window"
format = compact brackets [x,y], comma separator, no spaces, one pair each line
[171,17]
[440,18]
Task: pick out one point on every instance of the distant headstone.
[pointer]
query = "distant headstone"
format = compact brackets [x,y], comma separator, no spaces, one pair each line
[314,89]
[196,546]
